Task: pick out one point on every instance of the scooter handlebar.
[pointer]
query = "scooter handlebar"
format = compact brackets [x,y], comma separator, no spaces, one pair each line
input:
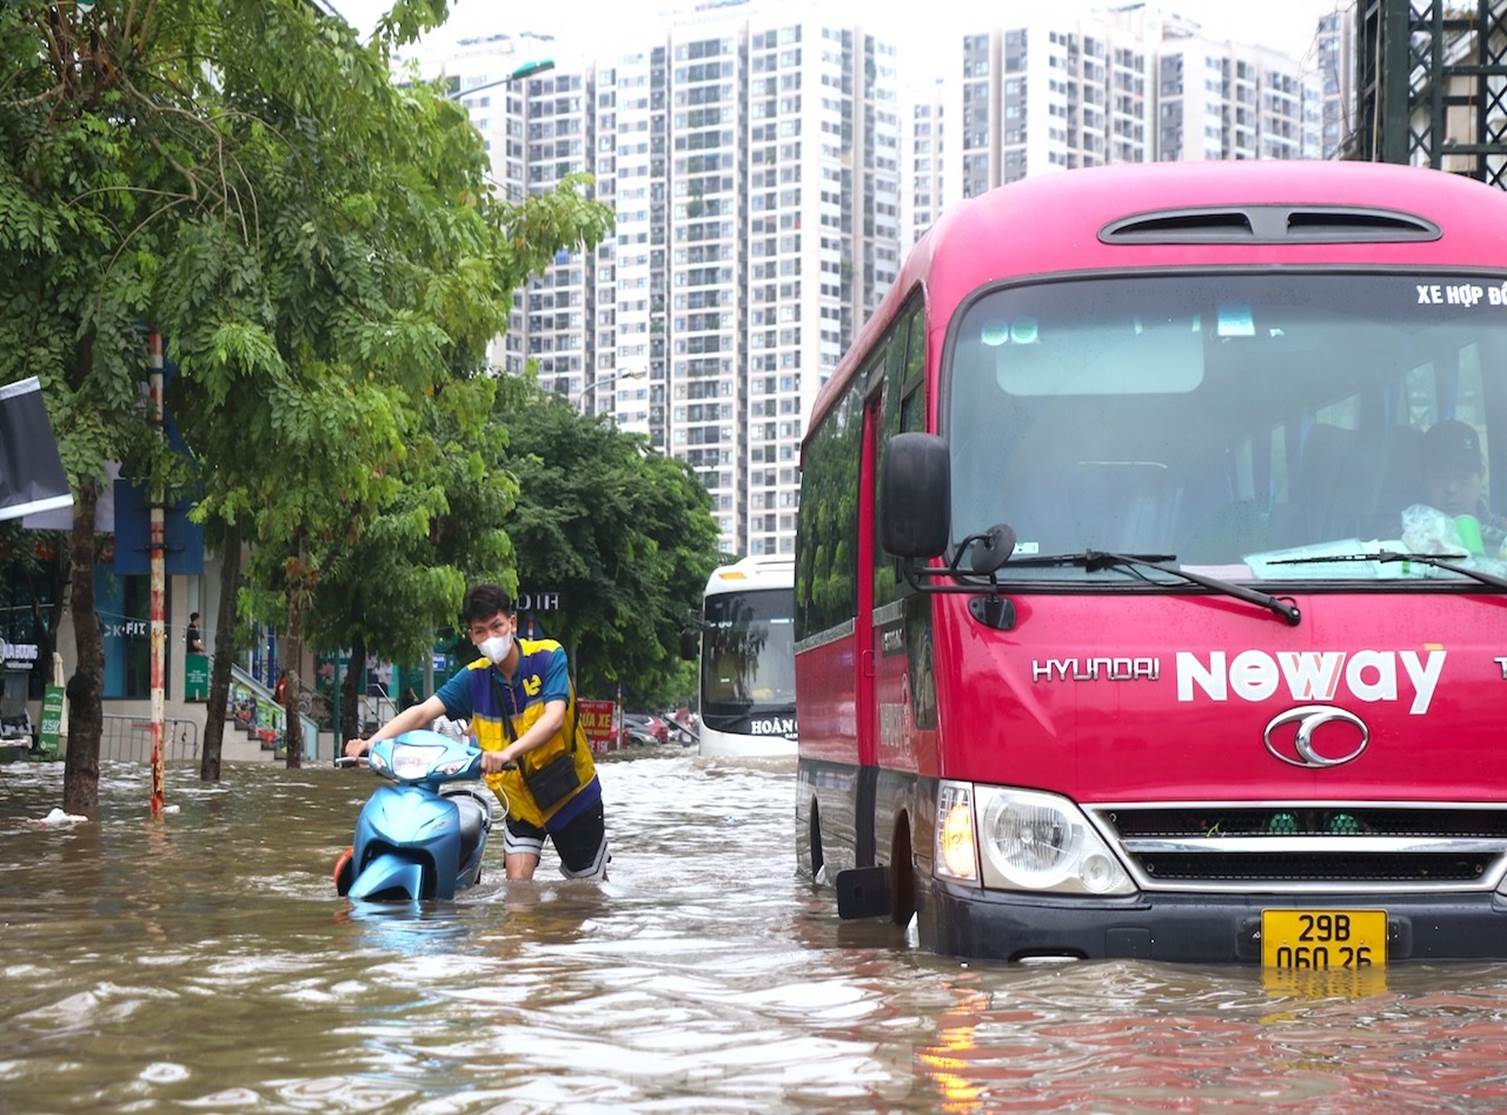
[473,770]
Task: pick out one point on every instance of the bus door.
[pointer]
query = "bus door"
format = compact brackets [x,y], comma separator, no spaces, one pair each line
[879,624]
[863,632]
[893,374]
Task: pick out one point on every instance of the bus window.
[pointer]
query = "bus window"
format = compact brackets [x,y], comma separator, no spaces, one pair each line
[1344,414]
[748,662]
[1422,396]
[893,352]
[1110,414]
[1279,466]
[826,559]
[1470,405]
[915,348]
[913,412]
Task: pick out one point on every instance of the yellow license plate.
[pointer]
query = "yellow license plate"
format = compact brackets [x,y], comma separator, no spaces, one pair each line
[1319,939]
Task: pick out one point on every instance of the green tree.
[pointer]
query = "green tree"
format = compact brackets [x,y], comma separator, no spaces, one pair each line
[332,357]
[319,242]
[625,535]
[388,590]
[88,198]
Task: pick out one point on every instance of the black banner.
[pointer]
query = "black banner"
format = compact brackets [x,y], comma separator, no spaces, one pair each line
[31,474]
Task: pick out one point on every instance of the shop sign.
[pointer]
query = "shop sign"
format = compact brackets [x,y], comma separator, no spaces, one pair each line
[19,656]
[52,720]
[597,720]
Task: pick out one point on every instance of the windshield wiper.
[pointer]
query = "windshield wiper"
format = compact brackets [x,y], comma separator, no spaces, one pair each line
[1092,560]
[1386,557]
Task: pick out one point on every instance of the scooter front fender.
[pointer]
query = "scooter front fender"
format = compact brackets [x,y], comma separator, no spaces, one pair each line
[388,873]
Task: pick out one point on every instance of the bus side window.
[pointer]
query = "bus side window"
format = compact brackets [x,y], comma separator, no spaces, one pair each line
[826,559]
[913,413]
[892,354]
[899,348]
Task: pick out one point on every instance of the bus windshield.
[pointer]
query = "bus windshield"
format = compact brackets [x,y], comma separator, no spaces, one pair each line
[748,653]
[1280,426]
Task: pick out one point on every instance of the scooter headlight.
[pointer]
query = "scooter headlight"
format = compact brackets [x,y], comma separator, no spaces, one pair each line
[1042,842]
[453,767]
[414,761]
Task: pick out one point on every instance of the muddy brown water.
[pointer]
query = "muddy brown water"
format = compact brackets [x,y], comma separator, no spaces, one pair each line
[203,962]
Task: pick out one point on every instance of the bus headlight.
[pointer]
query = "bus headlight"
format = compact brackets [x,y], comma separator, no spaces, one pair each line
[1042,842]
[957,855]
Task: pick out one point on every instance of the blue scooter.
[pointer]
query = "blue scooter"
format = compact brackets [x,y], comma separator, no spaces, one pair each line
[412,841]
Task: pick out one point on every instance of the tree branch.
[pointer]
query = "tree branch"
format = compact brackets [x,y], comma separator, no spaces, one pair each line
[38,99]
[105,278]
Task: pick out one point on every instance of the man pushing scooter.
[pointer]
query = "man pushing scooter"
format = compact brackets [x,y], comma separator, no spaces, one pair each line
[522,710]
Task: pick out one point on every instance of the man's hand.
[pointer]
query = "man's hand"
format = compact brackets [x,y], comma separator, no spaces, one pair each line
[494,761]
[355,748]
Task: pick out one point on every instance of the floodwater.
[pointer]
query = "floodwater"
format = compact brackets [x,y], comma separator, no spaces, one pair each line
[203,961]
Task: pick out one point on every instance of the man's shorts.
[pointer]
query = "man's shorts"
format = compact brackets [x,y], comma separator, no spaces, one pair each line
[581,844]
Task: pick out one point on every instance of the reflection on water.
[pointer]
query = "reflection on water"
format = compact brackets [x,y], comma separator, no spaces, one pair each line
[203,960]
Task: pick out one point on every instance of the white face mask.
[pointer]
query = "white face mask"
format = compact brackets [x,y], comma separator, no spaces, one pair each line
[496,648]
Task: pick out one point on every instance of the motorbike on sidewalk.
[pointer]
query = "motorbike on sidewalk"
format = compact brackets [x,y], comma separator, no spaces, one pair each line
[414,840]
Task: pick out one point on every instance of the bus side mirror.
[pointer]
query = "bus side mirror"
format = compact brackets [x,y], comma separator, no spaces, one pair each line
[690,644]
[916,496]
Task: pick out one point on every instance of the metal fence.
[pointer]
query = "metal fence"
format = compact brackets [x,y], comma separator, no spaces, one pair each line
[129,739]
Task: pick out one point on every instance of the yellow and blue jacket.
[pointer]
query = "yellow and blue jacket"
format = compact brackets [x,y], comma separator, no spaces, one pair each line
[479,693]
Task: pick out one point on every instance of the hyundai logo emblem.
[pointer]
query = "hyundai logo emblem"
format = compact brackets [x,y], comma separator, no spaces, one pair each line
[1309,719]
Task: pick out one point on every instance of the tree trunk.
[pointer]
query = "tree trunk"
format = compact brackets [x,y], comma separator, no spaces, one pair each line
[219,677]
[351,688]
[86,687]
[298,595]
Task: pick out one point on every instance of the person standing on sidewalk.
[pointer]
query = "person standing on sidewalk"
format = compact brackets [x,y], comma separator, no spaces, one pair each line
[192,637]
[522,710]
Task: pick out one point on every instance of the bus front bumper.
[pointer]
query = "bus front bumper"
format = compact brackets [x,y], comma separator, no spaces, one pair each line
[1196,928]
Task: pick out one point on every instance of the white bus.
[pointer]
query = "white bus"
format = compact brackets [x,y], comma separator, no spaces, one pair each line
[748,660]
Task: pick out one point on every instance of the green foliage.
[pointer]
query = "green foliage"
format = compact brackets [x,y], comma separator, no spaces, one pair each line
[405,574]
[322,248]
[625,535]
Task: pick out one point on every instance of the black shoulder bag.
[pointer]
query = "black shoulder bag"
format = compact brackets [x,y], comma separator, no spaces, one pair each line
[556,780]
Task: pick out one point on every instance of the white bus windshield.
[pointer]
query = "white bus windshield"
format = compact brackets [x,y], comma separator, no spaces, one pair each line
[1280,426]
[748,654]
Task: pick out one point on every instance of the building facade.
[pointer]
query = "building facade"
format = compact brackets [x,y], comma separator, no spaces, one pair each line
[1054,91]
[1334,58]
[752,159]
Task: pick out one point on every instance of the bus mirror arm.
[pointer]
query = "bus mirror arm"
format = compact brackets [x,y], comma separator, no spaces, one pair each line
[989,604]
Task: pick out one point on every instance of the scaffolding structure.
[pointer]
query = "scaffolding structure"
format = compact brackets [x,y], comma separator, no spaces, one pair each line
[1432,85]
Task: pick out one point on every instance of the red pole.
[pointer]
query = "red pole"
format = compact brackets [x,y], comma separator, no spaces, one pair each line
[157,544]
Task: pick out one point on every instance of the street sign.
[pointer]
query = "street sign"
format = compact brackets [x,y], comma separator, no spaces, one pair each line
[196,677]
[52,719]
[597,718]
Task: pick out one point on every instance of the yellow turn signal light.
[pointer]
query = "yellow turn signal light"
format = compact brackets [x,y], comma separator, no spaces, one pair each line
[956,854]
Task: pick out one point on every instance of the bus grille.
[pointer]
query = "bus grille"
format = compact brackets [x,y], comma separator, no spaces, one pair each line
[1304,846]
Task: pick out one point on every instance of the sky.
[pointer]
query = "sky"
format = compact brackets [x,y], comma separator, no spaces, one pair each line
[596,28]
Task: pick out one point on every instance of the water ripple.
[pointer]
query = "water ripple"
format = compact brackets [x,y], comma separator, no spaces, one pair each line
[203,961]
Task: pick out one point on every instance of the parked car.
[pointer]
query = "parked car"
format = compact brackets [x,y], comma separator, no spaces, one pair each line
[641,728]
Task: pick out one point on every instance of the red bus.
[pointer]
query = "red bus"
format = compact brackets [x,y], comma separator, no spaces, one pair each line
[1149,595]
